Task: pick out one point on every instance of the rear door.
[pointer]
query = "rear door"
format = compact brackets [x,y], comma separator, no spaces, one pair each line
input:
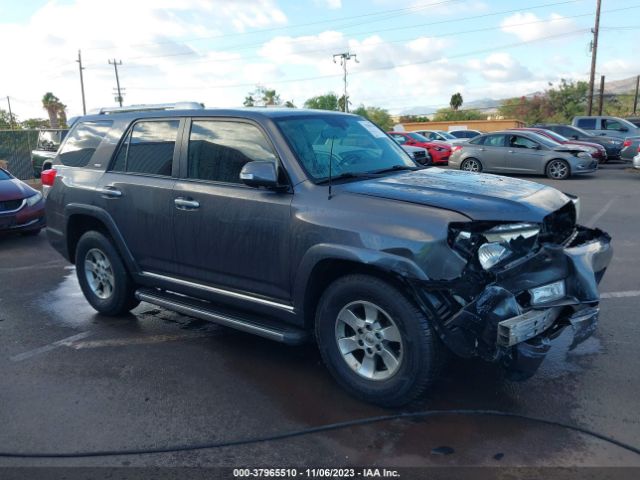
[230,235]
[524,155]
[137,191]
[491,152]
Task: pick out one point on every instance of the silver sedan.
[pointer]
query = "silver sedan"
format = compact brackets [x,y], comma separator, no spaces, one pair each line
[521,152]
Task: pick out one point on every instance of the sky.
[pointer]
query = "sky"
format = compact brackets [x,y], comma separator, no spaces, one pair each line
[410,53]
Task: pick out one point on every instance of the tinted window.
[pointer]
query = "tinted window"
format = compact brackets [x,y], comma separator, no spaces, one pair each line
[401,139]
[82,142]
[612,125]
[588,123]
[4,175]
[418,137]
[565,131]
[218,150]
[50,140]
[494,140]
[148,148]
[477,140]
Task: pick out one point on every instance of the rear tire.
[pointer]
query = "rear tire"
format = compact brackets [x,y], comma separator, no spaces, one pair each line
[103,278]
[376,343]
[471,165]
[558,169]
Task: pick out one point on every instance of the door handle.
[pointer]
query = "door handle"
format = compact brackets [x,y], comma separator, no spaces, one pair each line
[482,149]
[511,151]
[186,204]
[111,192]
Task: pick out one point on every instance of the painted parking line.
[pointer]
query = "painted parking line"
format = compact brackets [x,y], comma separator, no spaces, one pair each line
[628,293]
[122,342]
[592,221]
[47,348]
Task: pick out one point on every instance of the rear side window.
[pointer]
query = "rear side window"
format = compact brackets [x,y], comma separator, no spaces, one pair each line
[148,148]
[82,143]
[219,149]
[588,123]
[494,140]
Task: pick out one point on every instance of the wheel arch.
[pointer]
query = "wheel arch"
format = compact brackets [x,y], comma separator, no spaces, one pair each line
[546,165]
[83,218]
[323,264]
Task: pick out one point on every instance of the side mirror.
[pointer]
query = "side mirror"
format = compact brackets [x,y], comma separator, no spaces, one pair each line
[575,137]
[260,174]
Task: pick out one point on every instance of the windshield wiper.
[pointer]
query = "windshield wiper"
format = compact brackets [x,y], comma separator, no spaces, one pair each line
[396,168]
[349,175]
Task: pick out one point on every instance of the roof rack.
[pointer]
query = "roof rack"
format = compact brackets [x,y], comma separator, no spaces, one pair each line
[151,107]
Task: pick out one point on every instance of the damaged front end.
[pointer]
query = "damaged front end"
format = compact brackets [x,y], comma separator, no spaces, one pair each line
[523,284]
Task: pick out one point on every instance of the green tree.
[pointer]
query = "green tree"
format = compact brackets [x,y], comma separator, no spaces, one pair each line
[456,101]
[32,123]
[249,101]
[567,100]
[328,101]
[55,109]
[536,109]
[289,104]
[270,97]
[413,118]
[6,121]
[450,115]
[377,115]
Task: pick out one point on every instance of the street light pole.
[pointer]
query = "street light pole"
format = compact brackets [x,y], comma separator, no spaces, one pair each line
[344,58]
[84,106]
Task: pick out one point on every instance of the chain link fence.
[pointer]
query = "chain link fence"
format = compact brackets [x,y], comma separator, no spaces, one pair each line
[15,150]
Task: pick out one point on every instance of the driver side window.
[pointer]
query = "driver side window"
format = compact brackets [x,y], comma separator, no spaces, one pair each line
[521,142]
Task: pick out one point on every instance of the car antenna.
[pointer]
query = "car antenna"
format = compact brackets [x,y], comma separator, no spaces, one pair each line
[330,163]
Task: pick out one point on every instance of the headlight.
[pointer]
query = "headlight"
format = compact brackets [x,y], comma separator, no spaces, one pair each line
[495,244]
[33,199]
[583,155]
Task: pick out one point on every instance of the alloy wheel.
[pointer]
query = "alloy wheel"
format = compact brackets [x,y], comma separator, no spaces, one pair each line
[369,340]
[471,166]
[99,273]
[558,169]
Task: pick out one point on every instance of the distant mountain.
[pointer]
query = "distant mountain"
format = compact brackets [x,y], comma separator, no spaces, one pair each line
[490,105]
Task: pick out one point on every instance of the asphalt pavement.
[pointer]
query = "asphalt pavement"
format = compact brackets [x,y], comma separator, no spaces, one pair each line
[74,381]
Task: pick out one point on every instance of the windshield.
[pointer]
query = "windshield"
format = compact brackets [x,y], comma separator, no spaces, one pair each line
[447,135]
[356,145]
[418,137]
[547,142]
[556,136]
[580,132]
[4,175]
[50,139]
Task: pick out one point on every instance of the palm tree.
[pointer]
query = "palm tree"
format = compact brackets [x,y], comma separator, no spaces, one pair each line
[52,105]
[270,97]
[249,101]
[456,101]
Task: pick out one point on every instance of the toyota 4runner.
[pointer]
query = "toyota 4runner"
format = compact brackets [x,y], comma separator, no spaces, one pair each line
[274,222]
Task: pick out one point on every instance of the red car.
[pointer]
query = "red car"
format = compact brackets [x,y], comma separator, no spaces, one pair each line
[598,152]
[439,151]
[21,207]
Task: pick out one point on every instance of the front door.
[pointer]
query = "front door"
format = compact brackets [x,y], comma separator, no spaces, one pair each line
[524,155]
[230,235]
[137,192]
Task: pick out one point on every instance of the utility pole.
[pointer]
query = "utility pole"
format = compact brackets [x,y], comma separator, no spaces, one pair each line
[10,114]
[344,58]
[635,98]
[115,67]
[601,98]
[84,106]
[594,53]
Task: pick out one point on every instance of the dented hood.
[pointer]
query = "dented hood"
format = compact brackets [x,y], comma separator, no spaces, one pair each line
[477,196]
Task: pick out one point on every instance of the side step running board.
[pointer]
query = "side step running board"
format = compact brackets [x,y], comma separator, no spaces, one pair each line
[206,311]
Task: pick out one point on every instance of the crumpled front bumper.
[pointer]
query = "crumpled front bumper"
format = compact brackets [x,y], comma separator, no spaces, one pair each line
[500,324]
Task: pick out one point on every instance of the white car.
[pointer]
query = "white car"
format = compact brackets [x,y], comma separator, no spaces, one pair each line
[636,161]
[442,136]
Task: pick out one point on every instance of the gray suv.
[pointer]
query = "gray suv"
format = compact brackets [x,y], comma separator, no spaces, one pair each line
[286,224]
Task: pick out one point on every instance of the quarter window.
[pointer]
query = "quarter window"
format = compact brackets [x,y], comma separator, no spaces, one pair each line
[588,123]
[149,148]
[82,143]
[219,149]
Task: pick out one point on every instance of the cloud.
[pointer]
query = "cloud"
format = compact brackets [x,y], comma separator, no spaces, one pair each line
[500,67]
[528,26]
[330,4]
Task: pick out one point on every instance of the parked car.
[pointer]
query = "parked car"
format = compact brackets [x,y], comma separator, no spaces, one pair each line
[613,146]
[441,136]
[439,151]
[419,154]
[636,161]
[630,148]
[608,126]
[49,140]
[634,120]
[521,152]
[465,133]
[21,207]
[284,234]
[596,150]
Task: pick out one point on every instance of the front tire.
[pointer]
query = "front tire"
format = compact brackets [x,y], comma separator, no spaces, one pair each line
[103,278]
[558,169]
[376,343]
[471,165]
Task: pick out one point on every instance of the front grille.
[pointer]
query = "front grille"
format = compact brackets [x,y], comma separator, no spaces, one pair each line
[559,226]
[419,155]
[9,205]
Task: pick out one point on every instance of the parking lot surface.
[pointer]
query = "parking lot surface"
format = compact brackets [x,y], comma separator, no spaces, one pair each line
[75,381]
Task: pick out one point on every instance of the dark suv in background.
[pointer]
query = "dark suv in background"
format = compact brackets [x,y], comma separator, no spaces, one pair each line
[48,143]
[288,224]
[613,146]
